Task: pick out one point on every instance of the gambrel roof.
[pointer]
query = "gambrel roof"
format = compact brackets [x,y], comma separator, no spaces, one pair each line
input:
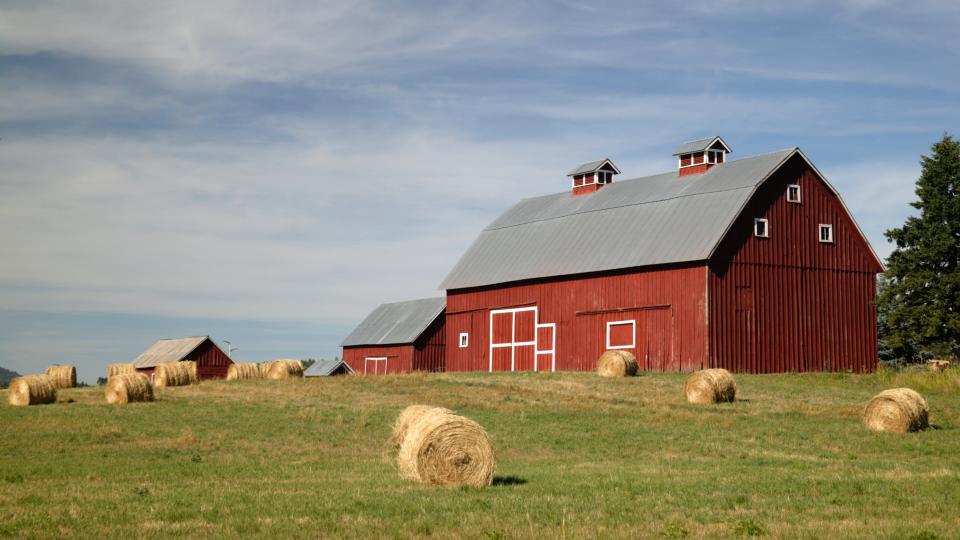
[654,220]
[397,323]
[168,350]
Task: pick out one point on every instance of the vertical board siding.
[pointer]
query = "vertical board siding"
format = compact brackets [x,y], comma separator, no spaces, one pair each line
[212,362]
[399,357]
[790,302]
[580,306]
[428,350]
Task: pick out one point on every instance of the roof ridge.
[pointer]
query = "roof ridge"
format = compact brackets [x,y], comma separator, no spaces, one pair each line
[604,209]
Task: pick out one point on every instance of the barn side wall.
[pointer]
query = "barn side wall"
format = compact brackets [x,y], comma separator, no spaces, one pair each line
[212,363]
[790,302]
[667,305]
[399,359]
[428,350]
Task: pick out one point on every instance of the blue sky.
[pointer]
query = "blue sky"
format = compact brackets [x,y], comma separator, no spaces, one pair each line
[267,173]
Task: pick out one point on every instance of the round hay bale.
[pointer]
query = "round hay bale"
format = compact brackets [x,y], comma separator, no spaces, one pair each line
[239,372]
[617,363]
[899,410]
[32,390]
[129,388]
[285,369]
[63,376]
[446,449]
[170,374]
[407,417]
[119,369]
[710,386]
[265,368]
[190,370]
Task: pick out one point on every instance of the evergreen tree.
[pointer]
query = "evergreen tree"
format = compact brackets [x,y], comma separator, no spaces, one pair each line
[920,301]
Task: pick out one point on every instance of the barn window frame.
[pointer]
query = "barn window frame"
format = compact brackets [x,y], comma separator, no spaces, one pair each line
[828,227]
[633,333]
[793,193]
[714,156]
[464,340]
[761,227]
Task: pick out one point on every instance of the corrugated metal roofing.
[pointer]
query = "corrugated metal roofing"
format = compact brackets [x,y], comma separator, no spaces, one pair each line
[168,350]
[396,323]
[591,166]
[658,219]
[698,145]
[324,367]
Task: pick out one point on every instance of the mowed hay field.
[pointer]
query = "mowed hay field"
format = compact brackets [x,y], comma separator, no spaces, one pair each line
[578,456]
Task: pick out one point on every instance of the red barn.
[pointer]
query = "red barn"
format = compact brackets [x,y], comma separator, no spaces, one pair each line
[212,362]
[398,338]
[754,265]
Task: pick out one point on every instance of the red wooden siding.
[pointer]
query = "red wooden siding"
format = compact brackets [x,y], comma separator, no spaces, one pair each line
[790,302]
[212,363]
[425,354]
[399,359]
[668,306]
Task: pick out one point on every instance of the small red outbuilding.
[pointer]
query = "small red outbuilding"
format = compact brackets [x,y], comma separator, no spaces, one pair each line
[212,362]
[398,338]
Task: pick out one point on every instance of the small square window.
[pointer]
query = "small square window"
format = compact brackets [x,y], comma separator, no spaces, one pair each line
[826,233]
[464,339]
[793,193]
[760,228]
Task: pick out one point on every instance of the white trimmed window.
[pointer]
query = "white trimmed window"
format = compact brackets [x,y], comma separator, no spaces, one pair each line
[761,229]
[621,334]
[793,193]
[464,340]
[826,233]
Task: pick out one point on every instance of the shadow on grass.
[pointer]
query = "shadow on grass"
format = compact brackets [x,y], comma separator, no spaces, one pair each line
[508,481]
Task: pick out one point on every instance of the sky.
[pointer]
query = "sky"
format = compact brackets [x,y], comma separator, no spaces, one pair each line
[269,172]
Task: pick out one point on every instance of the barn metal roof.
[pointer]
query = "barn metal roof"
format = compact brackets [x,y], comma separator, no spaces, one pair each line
[396,323]
[699,145]
[324,367]
[592,166]
[653,220]
[168,350]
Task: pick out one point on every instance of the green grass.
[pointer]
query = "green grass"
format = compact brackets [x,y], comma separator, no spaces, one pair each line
[577,457]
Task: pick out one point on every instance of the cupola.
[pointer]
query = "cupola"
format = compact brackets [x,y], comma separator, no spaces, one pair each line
[590,177]
[699,156]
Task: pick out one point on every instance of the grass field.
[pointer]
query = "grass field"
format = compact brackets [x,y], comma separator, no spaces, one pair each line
[578,457]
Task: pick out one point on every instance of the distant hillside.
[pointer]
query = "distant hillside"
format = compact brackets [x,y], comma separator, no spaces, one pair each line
[6,376]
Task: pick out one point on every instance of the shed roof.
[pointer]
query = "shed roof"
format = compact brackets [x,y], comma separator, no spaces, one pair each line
[659,219]
[325,367]
[168,350]
[699,145]
[396,323]
[592,166]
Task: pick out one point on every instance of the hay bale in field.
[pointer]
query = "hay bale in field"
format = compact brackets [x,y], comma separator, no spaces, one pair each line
[238,372]
[129,388]
[710,386]
[617,363]
[285,369]
[938,366]
[407,417]
[899,410]
[442,448]
[32,390]
[265,368]
[120,369]
[191,369]
[171,374]
[63,376]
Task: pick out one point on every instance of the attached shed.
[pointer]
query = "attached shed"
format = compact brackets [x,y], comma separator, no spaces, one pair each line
[328,368]
[754,265]
[398,338]
[212,362]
